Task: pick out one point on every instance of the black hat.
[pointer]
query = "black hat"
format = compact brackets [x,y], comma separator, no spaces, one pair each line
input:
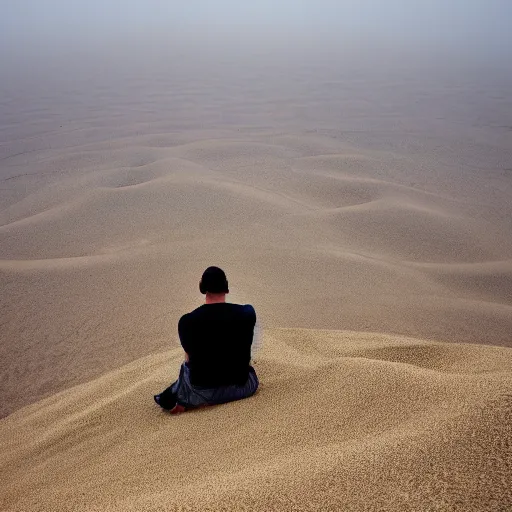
[213,281]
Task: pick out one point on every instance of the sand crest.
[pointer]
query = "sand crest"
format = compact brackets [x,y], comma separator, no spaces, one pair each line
[342,421]
[102,243]
[343,193]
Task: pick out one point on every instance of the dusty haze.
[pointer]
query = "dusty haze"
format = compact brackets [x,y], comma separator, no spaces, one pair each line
[349,164]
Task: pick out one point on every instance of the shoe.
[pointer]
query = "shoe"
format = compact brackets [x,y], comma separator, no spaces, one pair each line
[166,400]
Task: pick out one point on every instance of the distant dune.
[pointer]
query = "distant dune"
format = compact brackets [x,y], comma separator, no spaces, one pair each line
[102,246]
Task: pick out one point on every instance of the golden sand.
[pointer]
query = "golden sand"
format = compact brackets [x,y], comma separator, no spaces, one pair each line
[337,211]
[342,421]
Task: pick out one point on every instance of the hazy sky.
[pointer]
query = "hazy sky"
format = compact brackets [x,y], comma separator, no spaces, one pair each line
[457,22]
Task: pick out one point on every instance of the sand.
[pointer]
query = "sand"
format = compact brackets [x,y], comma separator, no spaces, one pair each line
[342,421]
[366,216]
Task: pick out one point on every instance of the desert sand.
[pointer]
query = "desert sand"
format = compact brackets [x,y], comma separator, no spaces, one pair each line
[364,213]
[342,421]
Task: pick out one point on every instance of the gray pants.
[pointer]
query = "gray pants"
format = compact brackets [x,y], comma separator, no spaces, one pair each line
[183,392]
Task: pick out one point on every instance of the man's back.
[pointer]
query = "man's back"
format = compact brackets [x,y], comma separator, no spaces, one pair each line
[217,338]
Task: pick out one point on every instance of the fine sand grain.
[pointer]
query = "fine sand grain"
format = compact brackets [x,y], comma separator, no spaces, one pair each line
[342,421]
[342,197]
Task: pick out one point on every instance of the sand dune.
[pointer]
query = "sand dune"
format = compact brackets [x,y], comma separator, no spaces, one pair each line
[342,421]
[341,202]
[338,239]
[410,232]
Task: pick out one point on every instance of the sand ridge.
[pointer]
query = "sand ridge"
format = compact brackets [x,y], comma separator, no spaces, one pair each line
[141,216]
[365,196]
[342,421]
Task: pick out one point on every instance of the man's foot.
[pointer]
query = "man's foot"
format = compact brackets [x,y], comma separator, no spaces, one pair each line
[177,409]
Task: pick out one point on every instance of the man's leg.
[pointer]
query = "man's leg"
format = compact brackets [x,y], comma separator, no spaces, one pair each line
[168,398]
[231,393]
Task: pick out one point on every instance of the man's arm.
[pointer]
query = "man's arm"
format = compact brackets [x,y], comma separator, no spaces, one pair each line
[182,333]
[257,339]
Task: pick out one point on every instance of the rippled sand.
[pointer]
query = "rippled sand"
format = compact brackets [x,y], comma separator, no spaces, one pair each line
[344,200]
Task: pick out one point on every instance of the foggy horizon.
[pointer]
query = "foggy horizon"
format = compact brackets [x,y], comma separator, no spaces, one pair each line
[478,26]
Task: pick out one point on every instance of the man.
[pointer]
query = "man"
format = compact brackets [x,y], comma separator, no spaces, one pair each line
[217,339]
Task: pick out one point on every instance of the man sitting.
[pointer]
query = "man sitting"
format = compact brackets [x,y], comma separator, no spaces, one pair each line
[217,339]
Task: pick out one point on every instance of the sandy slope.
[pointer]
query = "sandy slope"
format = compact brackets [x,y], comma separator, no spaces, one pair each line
[102,245]
[338,194]
[101,250]
[342,421]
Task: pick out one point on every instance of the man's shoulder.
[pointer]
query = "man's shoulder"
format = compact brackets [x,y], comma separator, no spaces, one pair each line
[247,311]
[191,315]
[203,310]
[190,318]
[241,308]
